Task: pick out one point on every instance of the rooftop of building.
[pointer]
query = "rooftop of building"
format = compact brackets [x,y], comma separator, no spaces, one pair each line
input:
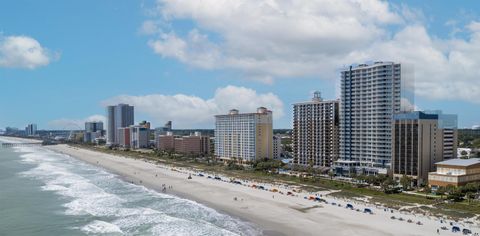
[460,162]
[369,65]
[415,115]
[235,112]
[317,98]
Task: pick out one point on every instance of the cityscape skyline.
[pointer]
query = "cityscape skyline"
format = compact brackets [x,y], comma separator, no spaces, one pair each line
[148,76]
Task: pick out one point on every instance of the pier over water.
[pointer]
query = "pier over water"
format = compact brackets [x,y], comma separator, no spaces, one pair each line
[9,145]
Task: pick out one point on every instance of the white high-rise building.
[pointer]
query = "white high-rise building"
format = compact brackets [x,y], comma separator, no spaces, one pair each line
[315,132]
[119,116]
[370,95]
[139,136]
[31,130]
[244,136]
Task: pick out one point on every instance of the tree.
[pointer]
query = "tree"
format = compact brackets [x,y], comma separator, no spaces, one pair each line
[441,191]
[388,185]
[470,196]
[331,174]
[455,194]
[406,182]
[427,190]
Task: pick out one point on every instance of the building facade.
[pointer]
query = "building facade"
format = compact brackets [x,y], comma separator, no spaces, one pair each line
[448,123]
[31,130]
[455,172]
[93,130]
[119,116]
[417,145]
[123,136]
[244,137]
[315,132]
[195,143]
[277,147]
[139,136]
[370,96]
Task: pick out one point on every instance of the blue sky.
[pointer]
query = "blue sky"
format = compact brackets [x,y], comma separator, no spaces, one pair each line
[181,61]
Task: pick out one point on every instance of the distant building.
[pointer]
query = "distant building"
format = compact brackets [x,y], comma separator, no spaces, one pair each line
[166,142]
[139,136]
[315,132]
[163,130]
[119,116]
[193,144]
[168,126]
[124,137]
[93,130]
[244,137]
[417,145]
[145,124]
[370,96]
[31,130]
[455,172]
[277,146]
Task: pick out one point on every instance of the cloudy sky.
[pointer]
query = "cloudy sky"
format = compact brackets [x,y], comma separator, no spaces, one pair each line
[185,61]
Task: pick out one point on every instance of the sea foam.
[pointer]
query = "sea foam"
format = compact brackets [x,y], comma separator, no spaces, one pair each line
[118,207]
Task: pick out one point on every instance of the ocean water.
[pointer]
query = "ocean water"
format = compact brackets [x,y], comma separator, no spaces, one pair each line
[48,193]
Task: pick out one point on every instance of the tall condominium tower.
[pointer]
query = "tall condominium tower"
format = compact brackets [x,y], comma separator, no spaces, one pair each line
[315,132]
[31,130]
[370,96]
[119,116]
[244,136]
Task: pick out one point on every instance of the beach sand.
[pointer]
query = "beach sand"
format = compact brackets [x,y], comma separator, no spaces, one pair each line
[274,213]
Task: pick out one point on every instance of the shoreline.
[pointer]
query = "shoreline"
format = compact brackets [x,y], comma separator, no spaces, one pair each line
[273,213]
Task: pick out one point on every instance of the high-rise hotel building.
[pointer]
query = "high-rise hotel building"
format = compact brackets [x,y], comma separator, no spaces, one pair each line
[417,142]
[244,137]
[370,95]
[119,116]
[315,132]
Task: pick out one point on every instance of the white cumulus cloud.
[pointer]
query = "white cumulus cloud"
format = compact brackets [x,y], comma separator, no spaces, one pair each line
[188,111]
[23,52]
[66,123]
[268,39]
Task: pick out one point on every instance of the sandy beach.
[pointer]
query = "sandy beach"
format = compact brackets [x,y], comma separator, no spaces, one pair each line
[275,213]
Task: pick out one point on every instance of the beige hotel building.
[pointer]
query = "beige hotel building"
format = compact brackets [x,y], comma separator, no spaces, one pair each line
[244,137]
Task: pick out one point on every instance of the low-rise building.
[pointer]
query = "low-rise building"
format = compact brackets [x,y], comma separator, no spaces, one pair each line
[166,142]
[193,144]
[455,172]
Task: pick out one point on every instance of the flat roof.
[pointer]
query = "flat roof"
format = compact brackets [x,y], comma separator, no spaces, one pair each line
[317,102]
[415,115]
[460,162]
